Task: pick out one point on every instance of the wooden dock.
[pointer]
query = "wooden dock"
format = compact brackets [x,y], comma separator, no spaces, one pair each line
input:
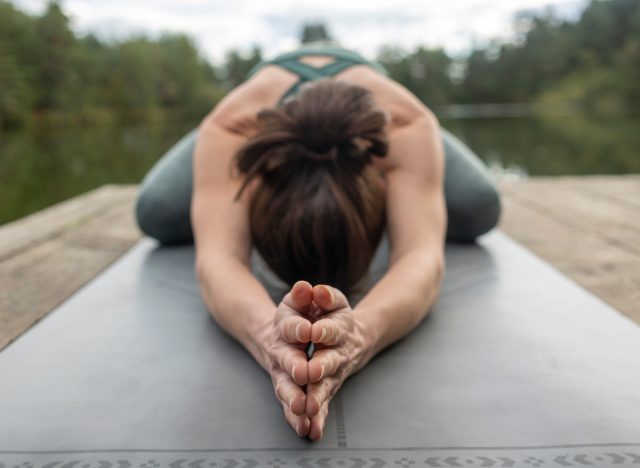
[587,227]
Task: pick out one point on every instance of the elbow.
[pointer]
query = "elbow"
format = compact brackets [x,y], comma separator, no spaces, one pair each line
[434,266]
[439,268]
[210,262]
[200,268]
[429,269]
[432,262]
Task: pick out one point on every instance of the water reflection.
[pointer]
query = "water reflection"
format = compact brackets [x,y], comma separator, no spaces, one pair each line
[38,169]
[553,145]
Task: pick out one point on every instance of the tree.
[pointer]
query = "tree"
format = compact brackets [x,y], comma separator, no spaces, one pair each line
[312,32]
[16,70]
[425,72]
[55,82]
[237,65]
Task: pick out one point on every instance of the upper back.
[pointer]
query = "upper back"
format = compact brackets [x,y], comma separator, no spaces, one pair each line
[270,82]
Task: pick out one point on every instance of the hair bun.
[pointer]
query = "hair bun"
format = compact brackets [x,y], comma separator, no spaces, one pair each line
[327,120]
[329,155]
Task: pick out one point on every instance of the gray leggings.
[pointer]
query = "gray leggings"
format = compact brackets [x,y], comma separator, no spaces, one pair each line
[164,200]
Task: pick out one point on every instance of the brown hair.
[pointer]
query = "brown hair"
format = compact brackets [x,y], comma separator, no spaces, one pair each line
[318,212]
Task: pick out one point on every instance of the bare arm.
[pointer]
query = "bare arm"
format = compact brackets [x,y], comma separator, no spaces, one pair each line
[416,224]
[401,299]
[221,232]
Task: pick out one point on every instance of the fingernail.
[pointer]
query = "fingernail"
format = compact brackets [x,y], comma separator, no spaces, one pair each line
[322,371]
[293,373]
[291,402]
[298,427]
[298,332]
[331,294]
[324,333]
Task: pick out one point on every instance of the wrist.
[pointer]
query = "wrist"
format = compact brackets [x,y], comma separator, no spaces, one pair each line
[368,335]
[258,336]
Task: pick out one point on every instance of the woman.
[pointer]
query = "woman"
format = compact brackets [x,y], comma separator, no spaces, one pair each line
[312,160]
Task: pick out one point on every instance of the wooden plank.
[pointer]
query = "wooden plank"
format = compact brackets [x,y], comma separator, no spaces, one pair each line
[39,274]
[587,227]
[31,230]
[620,189]
[595,216]
[590,238]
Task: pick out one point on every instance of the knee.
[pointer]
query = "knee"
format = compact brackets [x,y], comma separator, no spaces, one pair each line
[158,218]
[479,213]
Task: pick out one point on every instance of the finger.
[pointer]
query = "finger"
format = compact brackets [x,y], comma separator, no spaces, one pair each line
[299,423]
[296,329]
[293,361]
[300,296]
[316,425]
[318,394]
[315,312]
[324,363]
[329,298]
[327,331]
[290,394]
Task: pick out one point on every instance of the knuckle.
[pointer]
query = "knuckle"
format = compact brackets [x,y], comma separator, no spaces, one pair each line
[273,354]
[287,329]
[286,363]
[327,389]
[335,331]
[279,393]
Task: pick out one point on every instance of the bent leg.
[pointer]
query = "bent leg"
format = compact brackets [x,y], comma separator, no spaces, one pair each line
[164,200]
[473,201]
[163,206]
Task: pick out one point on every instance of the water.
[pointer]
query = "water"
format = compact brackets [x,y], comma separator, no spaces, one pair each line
[38,169]
[553,145]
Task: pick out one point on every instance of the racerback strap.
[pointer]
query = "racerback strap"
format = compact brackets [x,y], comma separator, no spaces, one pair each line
[290,61]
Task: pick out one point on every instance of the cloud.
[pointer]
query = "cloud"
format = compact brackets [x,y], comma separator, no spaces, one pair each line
[217,26]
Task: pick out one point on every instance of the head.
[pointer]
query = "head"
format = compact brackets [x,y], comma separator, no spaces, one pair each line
[318,209]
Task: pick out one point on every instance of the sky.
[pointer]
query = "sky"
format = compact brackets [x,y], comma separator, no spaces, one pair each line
[274,25]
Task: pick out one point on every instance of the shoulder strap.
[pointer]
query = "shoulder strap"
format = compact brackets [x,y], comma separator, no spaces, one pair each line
[308,73]
[304,71]
[343,59]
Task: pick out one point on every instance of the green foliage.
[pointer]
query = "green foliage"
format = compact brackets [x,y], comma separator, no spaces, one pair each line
[48,73]
[425,72]
[593,61]
[237,65]
[314,32]
[56,80]
[16,69]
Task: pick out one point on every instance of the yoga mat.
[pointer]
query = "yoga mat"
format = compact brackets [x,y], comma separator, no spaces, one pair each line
[515,366]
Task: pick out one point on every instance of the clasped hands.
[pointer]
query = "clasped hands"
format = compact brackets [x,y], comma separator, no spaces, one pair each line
[320,314]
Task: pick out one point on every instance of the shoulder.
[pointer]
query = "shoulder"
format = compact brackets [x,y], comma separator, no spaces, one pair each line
[237,111]
[413,129]
[402,106]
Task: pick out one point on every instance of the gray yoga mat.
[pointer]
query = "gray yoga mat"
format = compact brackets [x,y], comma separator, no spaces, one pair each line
[515,366]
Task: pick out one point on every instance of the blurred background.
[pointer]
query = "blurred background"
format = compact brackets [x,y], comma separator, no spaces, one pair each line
[94,92]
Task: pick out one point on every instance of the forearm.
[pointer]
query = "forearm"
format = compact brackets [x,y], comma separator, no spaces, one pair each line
[237,301]
[400,300]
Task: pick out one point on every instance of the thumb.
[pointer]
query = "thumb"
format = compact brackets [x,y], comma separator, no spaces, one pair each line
[329,298]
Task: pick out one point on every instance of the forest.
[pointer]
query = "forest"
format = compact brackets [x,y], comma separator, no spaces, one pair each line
[50,75]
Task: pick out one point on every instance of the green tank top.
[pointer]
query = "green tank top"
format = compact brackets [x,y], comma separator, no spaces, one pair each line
[344,59]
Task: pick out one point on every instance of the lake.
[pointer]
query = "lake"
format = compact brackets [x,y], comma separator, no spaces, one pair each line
[40,168]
